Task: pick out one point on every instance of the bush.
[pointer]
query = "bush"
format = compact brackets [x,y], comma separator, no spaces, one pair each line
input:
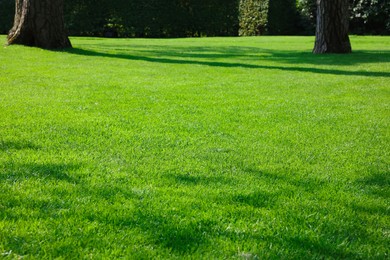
[188,18]
[252,17]
[152,18]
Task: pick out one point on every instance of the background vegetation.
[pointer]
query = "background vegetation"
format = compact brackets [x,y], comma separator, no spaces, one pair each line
[181,18]
[282,17]
[198,148]
[253,17]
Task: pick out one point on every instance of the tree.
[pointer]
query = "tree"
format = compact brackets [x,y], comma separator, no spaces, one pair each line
[332,27]
[39,23]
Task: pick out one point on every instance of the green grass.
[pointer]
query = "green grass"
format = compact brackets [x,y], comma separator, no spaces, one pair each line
[195,148]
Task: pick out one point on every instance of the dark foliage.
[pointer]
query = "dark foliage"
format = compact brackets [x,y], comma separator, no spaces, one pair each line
[152,18]
[7,11]
[370,17]
[282,17]
[307,16]
[189,18]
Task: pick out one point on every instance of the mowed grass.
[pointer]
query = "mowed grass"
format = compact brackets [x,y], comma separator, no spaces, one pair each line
[207,148]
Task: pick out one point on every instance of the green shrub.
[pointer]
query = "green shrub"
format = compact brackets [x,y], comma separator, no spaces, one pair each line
[252,17]
[152,18]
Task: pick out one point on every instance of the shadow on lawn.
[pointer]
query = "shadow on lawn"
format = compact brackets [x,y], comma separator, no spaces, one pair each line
[17,145]
[39,171]
[242,52]
[177,234]
[254,198]
[174,57]
[116,206]
[161,226]
[197,179]
[329,227]
[377,184]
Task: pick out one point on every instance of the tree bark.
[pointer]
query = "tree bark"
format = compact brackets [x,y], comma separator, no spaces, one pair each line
[39,23]
[332,27]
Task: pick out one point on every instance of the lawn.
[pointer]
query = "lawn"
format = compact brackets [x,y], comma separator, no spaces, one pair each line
[201,148]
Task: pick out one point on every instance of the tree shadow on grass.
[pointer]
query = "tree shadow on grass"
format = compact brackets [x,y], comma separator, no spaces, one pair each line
[183,233]
[177,234]
[17,145]
[197,179]
[381,179]
[320,249]
[376,184]
[258,54]
[161,227]
[242,52]
[174,57]
[329,234]
[256,199]
[39,171]
[307,184]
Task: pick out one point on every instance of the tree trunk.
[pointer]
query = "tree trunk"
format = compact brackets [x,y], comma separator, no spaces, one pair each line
[39,23]
[332,27]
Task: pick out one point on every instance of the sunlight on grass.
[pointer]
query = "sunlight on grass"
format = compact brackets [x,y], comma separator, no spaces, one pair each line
[195,148]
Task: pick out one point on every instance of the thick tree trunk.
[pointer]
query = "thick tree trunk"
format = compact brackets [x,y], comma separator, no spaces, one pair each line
[332,27]
[39,23]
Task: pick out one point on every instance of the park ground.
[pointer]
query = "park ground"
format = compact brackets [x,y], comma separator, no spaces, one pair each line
[195,148]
